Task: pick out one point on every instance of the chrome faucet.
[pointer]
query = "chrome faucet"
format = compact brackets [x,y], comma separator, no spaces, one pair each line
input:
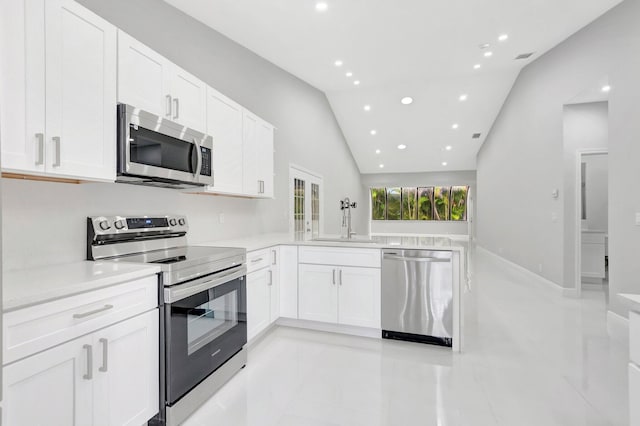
[346,205]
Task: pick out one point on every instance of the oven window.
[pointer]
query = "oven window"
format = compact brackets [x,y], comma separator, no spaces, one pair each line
[210,320]
[155,149]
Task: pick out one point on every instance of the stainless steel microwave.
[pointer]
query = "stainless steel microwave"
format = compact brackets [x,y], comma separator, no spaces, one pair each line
[158,152]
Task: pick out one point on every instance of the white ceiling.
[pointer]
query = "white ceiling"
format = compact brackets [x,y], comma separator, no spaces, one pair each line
[418,48]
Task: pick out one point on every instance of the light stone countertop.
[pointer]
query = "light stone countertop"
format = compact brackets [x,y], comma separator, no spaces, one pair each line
[421,242]
[635,298]
[28,287]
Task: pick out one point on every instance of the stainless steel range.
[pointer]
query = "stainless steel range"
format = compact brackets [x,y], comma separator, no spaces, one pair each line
[203,299]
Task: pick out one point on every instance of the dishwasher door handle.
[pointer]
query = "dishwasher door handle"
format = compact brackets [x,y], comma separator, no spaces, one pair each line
[416,259]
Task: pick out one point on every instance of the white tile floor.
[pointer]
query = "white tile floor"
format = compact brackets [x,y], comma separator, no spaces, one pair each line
[531,358]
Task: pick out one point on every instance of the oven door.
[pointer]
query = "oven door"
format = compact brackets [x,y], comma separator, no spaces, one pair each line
[203,331]
[151,146]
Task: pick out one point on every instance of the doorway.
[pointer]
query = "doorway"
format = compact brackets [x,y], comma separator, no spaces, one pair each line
[306,201]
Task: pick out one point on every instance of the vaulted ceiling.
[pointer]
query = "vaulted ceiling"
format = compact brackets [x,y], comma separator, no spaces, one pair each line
[367,55]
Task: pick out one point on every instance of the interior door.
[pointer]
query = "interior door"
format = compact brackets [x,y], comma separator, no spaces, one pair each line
[306,221]
[80,92]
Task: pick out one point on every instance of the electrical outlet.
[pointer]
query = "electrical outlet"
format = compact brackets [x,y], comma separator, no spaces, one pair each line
[500,250]
[554,217]
[637,219]
[540,267]
[221,217]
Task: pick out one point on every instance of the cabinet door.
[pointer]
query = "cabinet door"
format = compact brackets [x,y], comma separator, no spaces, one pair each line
[359,297]
[258,303]
[143,77]
[189,100]
[288,281]
[80,58]
[265,157]
[52,388]
[22,85]
[318,293]
[224,123]
[126,355]
[250,154]
[274,296]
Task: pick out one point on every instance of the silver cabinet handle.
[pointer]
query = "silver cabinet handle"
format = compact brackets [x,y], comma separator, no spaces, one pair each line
[168,113]
[56,143]
[176,102]
[259,188]
[333,277]
[89,374]
[40,149]
[86,314]
[105,355]
[270,277]
[416,259]
[340,276]
[275,257]
[260,259]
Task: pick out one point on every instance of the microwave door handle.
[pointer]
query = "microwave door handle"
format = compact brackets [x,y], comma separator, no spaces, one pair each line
[196,170]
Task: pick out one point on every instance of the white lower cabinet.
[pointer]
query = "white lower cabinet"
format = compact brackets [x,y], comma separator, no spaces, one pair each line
[634,395]
[109,377]
[263,290]
[339,294]
[288,281]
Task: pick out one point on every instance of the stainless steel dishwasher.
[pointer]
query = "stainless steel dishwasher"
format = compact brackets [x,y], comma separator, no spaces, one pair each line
[417,296]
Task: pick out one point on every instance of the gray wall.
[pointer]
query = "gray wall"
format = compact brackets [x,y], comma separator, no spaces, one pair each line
[522,160]
[585,127]
[307,135]
[419,179]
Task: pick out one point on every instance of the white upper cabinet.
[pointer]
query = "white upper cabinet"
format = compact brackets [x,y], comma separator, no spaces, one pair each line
[62,119]
[258,156]
[224,123]
[143,77]
[149,81]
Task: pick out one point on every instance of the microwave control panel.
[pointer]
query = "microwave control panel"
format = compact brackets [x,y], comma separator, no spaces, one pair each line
[205,170]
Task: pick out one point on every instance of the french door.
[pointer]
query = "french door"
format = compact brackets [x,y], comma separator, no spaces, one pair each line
[305,204]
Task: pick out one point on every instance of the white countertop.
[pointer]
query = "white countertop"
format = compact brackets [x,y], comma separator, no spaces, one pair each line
[421,242]
[28,287]
[635,298]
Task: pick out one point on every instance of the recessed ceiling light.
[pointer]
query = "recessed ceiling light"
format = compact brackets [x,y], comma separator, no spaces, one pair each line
[484,46]
[349,74]
[444,163]
[373,132]
[407,100]
[356,83]
[477,66]
[377,151]
[321,6]
[402,146]
[448,148]
[463,97]
[455,126]
[606,88]
[367,107]
[381,166]
[338,63]
[488,54]
[503,37]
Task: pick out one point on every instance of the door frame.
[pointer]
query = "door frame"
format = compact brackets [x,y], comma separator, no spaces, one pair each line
[578,207]
[299,171]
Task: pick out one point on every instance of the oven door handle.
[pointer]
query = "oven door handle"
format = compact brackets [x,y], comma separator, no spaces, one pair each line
[182,291]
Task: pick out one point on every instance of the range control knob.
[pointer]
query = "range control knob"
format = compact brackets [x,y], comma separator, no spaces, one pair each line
[172,222]
[104,225]
[119,224]
[181,221]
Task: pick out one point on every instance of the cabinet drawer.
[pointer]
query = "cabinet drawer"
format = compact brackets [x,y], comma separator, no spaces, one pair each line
[258,259]
[37,328]
[634,337]
[634,395]
[342,256]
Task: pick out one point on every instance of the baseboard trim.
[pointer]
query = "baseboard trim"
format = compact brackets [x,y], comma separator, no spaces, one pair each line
[567,292]
[617,327]
[331,328]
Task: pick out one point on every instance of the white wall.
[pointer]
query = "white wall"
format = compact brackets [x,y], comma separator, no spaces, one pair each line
[523,154]
[597,187]
[387,180]
[585,127]
[307,135]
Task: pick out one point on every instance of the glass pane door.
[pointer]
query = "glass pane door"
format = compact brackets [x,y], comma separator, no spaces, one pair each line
[305,203]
